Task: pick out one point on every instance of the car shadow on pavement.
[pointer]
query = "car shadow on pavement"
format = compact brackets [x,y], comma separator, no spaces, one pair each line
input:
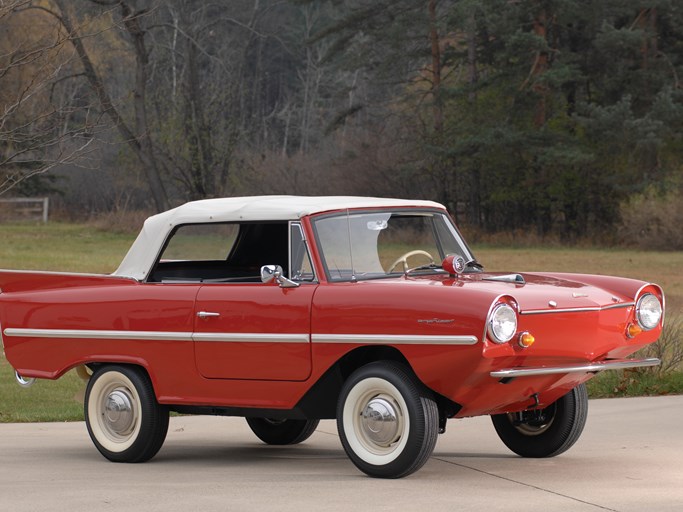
[234,455]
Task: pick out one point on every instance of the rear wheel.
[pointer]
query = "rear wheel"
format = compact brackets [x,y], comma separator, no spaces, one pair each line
[124,419]
[279,432]
[387,424]
[545,432]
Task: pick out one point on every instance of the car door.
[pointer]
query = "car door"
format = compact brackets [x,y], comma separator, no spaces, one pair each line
[254,330]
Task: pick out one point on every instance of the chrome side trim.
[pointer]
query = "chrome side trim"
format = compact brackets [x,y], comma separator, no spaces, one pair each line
[577,310]
[243,337]
[103,335]
[224,337]
[387,339]
[616,364]
[158,335]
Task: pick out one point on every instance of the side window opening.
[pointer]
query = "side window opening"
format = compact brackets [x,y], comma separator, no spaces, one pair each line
[260,244]
[222,252]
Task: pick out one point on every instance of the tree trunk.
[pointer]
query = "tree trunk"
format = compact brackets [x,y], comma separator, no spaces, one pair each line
[140,143]
[647,21]
[436,68]
[473,73]
[540,67]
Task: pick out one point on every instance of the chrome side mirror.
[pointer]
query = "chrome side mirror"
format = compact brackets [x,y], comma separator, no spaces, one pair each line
[270,273]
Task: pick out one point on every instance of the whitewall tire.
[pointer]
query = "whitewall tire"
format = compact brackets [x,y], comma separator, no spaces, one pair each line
[122,415]
[387,424]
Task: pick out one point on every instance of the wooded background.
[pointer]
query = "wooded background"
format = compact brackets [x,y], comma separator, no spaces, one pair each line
[555,117]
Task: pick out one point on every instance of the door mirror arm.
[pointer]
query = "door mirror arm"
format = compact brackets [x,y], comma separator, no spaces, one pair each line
[270,273]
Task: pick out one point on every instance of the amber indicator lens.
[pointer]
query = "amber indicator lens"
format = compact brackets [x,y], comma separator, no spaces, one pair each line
[526,340]
[633,330]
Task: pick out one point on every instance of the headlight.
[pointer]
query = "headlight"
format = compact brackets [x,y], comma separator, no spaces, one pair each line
[648,311]
[502,323]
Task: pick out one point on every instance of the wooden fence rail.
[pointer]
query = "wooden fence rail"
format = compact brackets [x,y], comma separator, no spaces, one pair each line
[24,208]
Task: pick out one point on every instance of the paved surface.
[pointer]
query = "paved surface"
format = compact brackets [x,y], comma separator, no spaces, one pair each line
[628,459]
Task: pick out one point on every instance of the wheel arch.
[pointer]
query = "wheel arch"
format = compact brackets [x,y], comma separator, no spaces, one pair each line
[321,399]
[126,362]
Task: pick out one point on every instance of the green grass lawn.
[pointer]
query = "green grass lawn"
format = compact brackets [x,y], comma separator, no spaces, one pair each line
[83,248]
[61,247]
[46,400]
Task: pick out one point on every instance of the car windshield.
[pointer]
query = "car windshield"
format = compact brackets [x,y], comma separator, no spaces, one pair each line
[372,245]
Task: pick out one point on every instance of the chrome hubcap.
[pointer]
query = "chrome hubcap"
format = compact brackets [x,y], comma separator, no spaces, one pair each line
[118,414]
[380,422]
[533,423]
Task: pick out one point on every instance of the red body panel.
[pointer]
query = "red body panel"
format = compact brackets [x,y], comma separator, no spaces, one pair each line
[255,309]
[264,346]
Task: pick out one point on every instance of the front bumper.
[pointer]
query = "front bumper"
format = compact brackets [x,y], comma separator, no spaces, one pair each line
[610,364]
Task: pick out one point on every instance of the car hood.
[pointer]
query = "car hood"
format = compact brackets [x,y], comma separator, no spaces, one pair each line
[539,292]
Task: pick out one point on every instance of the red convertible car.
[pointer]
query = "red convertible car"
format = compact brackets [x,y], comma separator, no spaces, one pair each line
[287,310]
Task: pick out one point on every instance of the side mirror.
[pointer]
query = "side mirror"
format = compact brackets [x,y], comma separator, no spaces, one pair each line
[270,273]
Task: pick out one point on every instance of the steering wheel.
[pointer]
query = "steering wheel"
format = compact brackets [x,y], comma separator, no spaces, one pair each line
[404,259]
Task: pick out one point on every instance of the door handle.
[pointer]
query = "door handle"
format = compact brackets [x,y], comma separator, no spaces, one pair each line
[207,314]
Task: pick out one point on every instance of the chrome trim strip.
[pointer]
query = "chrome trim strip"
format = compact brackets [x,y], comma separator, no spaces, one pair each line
[620,305]
[387,339]
[577,310]
[599,366]
[244,337]
[104,335]
[225,337]
[157,335]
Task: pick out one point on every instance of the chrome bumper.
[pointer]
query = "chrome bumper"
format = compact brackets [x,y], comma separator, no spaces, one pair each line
[613,364]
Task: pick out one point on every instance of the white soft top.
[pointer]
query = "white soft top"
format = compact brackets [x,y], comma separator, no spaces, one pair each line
[146,247]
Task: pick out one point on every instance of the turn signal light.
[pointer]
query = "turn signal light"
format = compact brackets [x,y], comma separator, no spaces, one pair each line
[633,330]
[526,340]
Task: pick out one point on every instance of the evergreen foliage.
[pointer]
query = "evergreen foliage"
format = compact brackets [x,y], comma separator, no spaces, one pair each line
[543,115]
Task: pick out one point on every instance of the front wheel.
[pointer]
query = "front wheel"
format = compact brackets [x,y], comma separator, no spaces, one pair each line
[545,432]
[387,424]
[281,432]
[124,419]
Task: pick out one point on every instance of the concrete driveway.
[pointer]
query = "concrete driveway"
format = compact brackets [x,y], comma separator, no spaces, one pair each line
[628,459]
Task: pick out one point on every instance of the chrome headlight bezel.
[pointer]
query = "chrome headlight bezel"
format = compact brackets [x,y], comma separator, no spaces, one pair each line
[502,323]
[649,311]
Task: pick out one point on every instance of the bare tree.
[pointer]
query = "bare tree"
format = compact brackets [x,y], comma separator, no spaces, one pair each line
[43,121]
[137,133]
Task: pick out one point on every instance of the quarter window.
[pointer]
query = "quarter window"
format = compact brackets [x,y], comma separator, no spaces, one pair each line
[201,242]
[300,265]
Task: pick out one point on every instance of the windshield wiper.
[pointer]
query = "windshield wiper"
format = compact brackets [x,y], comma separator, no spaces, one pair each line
[429,266]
